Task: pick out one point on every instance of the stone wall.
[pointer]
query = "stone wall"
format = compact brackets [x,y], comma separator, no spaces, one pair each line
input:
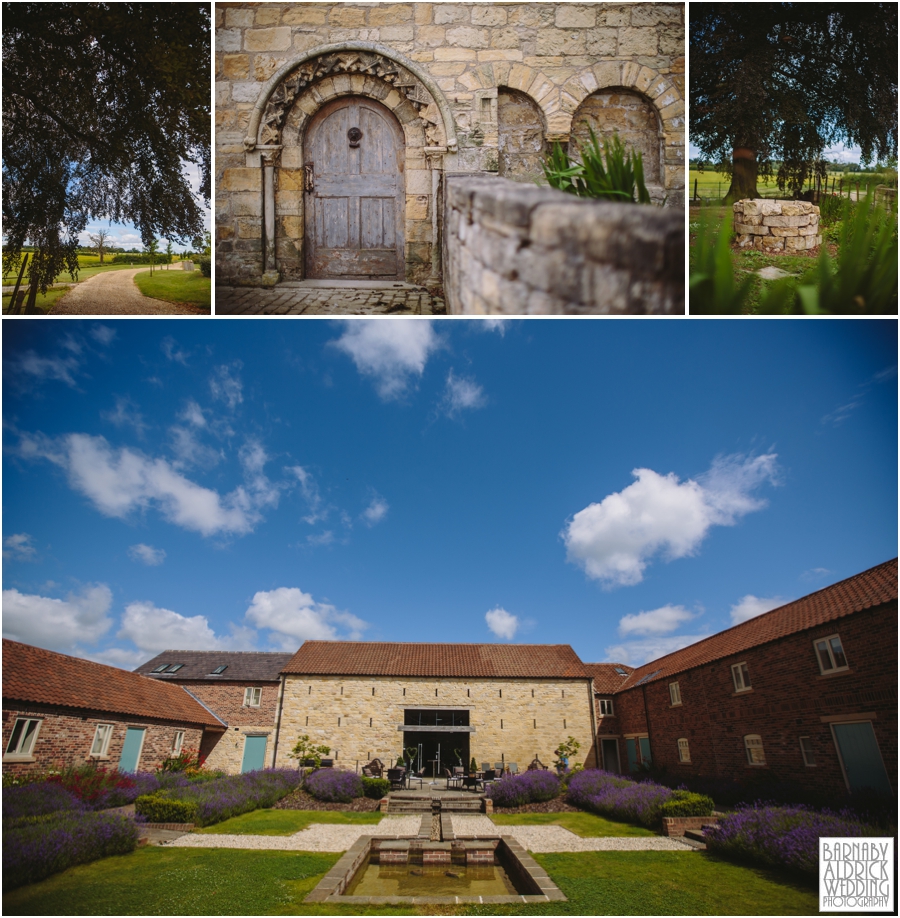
[358,717]
[514,249]
[476,87]
[65,738]
[777,226]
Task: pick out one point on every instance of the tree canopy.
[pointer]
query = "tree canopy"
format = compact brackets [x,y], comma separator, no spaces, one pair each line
[786,80]
[104,105]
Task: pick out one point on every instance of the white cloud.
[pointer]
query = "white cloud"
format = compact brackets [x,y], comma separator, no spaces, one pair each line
[493,324]
[226,386]
[117,656]
[170,348]
[57,624]
[19,547]
[460,394]
[253,458]
[126,415]
[121,481]
[149,555]
[32,364]
[323,538]
[310,491]
[193,414]
[657,621]
[636,653]
[615,540]
[376,511]
[294,617]
[751,606]
[389,351]
[102,333]
[502,623]
[153,629]
[189,451]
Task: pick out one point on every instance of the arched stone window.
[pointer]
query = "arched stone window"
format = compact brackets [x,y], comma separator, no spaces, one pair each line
[632,116]
[522,133]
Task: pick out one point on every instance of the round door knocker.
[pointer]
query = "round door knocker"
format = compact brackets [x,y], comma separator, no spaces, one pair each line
[355,136]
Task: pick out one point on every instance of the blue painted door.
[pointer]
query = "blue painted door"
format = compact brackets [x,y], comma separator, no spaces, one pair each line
[645,749]
[131,750]
[631,752]
[862,760]
[254,753]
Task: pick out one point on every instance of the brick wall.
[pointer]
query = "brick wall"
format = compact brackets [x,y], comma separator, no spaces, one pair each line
[65,738]
[789,699]
[493,84]
[517,724]
[515,249]
[226,699]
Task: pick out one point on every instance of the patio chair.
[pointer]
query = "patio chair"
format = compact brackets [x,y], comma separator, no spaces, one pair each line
[485,766]
[453,779]
[498,767]
[513,768]
[489,777]
[397,777]
[415,776]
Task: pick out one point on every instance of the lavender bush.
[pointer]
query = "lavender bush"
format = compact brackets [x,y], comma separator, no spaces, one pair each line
[781,836]
[32,800]
[529,787]
[209,802]
[334,786]
[589,783]
[55,843]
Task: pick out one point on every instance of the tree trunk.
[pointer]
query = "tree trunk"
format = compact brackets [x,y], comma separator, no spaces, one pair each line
[743,176]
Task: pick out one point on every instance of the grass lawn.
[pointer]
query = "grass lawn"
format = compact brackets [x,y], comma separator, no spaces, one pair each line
[286,822]
[197,881]
[176,286]
[586,825]
[42,302]
[661,883]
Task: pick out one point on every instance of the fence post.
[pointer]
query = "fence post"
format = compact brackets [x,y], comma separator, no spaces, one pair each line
[13,302]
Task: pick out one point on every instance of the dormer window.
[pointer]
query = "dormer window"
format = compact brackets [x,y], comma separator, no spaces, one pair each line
[219,670]
[160,668]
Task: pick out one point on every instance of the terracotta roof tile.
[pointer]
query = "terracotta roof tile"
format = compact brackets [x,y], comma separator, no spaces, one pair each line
[197,665]
[44,677]
[606,679]
[871,588]
[447,661]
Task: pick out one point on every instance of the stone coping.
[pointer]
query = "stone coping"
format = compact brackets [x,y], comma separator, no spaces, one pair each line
[331,888]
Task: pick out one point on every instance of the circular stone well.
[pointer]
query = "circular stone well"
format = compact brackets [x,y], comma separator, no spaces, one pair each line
[777,226]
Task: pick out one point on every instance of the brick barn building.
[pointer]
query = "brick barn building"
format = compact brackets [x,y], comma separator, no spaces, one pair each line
[60,711]
[241,688]
[806,693]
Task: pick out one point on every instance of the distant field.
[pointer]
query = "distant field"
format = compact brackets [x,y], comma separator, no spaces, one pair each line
[88,266]
[712,184]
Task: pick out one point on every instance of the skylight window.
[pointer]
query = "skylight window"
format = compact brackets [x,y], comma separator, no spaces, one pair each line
[620,671]
[160,668]
[219,670]
[648,677]
[174,668]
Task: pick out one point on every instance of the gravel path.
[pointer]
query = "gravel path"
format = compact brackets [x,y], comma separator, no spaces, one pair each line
[551,839]
[321,837]
[317,837]
[115,293]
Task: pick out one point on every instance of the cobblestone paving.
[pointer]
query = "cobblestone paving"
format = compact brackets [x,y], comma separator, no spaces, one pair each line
[326,301]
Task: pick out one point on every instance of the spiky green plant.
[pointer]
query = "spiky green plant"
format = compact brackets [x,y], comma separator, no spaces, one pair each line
[610,173]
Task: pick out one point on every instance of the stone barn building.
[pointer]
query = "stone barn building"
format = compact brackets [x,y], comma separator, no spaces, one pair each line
[336,125]
[448,702]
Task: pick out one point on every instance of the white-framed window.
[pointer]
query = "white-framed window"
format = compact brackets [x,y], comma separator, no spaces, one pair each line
[740,673]
[684,751]
[252,697]
[753,744]
[809,757]
[178,742]
[830,653]
[102,736]
[21,741]
[674,694]
[606,707]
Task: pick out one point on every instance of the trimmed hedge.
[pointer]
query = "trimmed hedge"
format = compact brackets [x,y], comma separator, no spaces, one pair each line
[376,788]
[686,803]
[206,266]
[54,843]
[208,802]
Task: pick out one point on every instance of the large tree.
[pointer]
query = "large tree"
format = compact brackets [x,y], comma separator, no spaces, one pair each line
[104,107]
[783,81]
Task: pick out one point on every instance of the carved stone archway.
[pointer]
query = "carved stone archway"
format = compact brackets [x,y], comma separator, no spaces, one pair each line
[276,131]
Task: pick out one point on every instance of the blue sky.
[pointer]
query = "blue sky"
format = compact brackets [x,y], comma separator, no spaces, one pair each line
[625,487]
[838,152]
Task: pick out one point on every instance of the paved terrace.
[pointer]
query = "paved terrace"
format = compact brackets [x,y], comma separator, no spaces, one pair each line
[329,298]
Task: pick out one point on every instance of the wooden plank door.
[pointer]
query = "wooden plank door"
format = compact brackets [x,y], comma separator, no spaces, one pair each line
[355,210]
